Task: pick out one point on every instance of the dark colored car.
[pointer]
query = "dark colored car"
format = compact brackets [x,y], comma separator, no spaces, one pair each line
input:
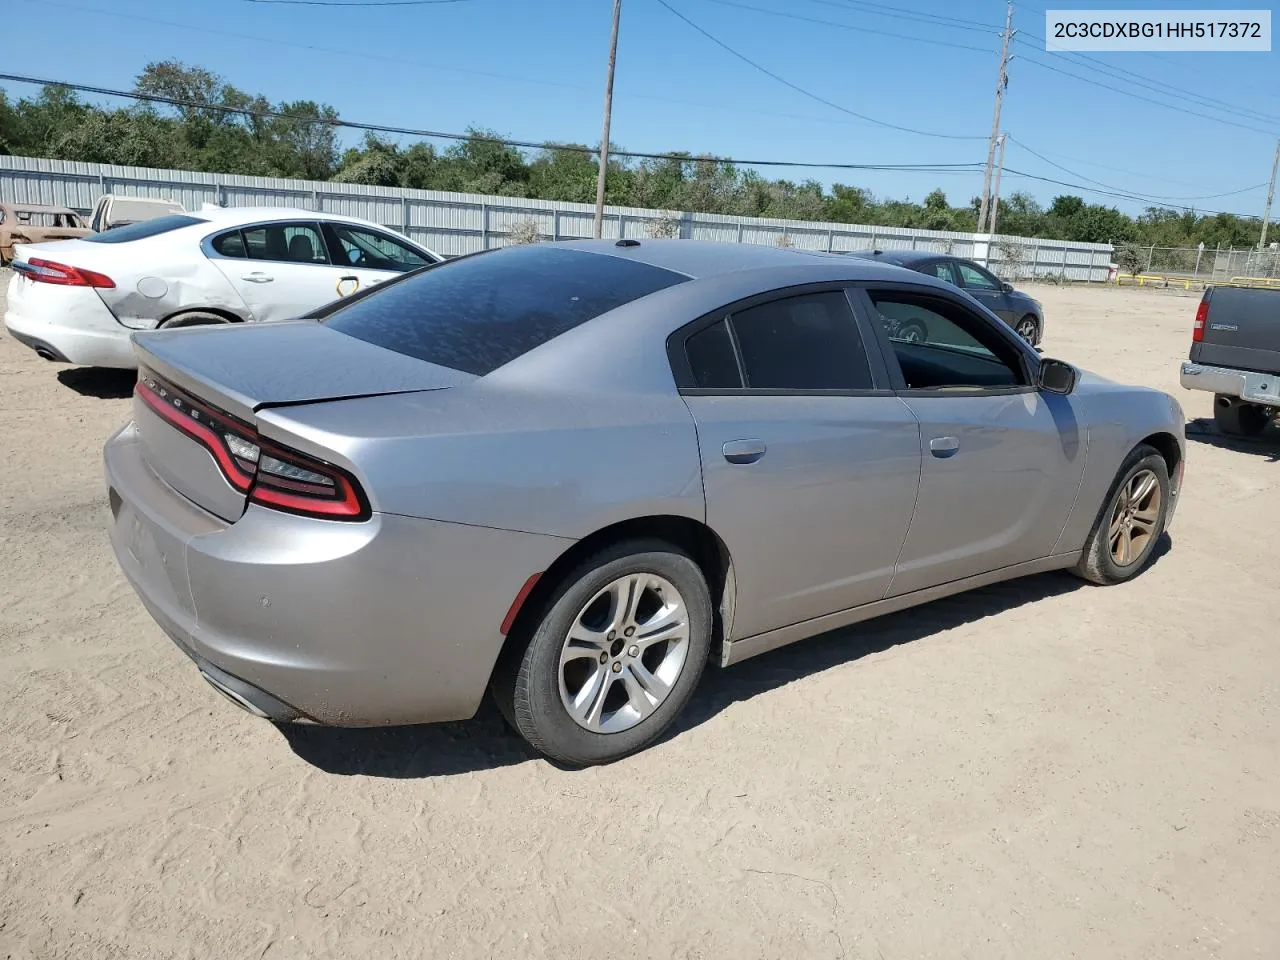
[1024,314]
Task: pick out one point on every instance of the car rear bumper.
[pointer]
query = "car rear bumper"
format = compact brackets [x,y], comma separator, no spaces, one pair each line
[392,621]
[1262,388]
[70,324]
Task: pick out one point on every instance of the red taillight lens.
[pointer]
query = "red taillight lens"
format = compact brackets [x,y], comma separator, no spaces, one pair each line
[62,275]
[269,474]
[1202,314]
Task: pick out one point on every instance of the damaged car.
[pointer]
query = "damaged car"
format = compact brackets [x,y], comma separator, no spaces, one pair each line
[79,301]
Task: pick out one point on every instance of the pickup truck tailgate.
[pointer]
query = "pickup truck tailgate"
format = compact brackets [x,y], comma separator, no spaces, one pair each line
[1241,330]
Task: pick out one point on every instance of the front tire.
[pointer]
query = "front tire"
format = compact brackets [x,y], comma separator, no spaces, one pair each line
[1235,418]
[614,654]
[1028,329]
[1131,521]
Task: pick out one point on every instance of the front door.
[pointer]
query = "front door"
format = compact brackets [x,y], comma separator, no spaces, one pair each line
[368,257]
[809,469]
[984,287]
[1000,463]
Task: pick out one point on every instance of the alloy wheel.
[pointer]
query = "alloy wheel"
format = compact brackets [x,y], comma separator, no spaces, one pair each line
[1134,518]
[624,653]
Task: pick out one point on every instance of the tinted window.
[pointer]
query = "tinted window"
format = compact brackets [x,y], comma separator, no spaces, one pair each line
[977,279]
[373,251]
[808,342]
[477,313]
[229,244]
[147,228]
[711,359]
[940,344]
[940,269]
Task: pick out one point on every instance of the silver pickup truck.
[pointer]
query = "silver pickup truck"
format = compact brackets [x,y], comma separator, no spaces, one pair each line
[1235,355]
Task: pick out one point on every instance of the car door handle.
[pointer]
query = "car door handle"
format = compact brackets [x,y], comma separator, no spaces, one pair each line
[257,278]
[943,447]
[743,451]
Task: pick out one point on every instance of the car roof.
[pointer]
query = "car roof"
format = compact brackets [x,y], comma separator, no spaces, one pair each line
[701,259]
[238,216]
[35,208]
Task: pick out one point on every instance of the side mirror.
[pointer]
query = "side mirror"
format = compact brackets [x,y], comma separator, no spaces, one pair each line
[1007,287]
[1057,376]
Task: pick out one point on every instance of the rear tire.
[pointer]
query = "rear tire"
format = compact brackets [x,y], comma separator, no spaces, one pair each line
[1131,520]
[196,318]
[1236,418]
[591,684]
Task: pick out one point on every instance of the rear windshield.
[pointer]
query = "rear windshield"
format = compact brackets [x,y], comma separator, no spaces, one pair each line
[147,228]
[477,313]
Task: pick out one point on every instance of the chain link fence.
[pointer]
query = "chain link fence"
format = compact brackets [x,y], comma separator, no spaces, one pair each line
[1201,264]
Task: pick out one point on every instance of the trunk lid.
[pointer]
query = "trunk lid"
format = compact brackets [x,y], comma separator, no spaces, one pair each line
[1241,329]
[213,380]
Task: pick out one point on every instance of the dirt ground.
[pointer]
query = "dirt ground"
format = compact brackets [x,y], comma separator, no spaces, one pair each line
[1043,769]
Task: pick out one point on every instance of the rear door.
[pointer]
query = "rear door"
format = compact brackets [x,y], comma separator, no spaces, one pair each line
[281,270]
[367,257]
[810,464]
[1241,330]
[1000,462]
[984,287]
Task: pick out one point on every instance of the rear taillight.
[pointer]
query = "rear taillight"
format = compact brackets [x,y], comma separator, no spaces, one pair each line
[1202,315]
[62,275]
[268,473]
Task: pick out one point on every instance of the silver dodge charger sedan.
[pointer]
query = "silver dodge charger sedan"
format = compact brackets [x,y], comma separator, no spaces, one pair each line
[573,473]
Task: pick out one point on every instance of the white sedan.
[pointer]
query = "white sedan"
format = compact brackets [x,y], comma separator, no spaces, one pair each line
[78,301]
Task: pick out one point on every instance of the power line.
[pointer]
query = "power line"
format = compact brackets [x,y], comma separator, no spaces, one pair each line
[1110,186]
[801,90]
[1138,96]
[354,3]
[521,144]
[1121,195]
[1149,83]
[907,13]
[849,26]
[383,58]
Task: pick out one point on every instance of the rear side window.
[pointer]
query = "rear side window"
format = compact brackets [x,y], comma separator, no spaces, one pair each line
[147,228]
[808,342]
[229,245]
[476,314]
[712,360]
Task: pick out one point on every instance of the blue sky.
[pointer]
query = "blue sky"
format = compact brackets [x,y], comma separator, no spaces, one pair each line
[534,70]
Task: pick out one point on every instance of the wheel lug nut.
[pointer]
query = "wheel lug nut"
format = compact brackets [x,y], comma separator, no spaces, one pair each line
[617,667]
[634,651]
[612,634]
[604,658]
[629,631]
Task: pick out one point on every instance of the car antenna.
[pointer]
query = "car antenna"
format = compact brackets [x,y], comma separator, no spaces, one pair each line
[628,243]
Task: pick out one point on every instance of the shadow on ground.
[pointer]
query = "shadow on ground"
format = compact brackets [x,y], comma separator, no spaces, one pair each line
[486,742]
[1267,445]
[99,382]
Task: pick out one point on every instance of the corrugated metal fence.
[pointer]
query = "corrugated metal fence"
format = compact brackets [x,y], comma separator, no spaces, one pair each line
[457,223]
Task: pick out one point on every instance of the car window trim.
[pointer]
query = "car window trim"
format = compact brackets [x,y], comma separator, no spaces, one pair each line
[329,231]
[683,373]
[860,294]
[206,245]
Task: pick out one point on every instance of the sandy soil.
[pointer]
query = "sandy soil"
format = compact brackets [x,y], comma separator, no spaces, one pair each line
[1042,769]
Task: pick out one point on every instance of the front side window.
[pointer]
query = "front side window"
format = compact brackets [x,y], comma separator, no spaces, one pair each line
[373,251]
[941,345]
[477,313]
[975,279]
[809,342]
[285,243]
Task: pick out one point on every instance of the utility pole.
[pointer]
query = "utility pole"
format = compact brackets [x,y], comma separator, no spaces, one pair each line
[995,191]
[1271,192]
[1002,81]
[608,112]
